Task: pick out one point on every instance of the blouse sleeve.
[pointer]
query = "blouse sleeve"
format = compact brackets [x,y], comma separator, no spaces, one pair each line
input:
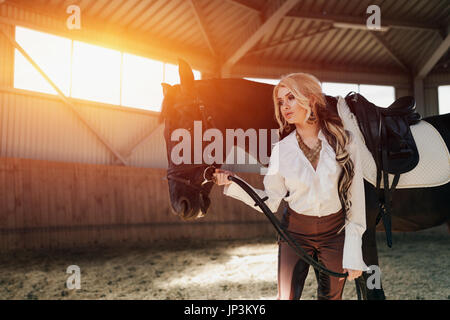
[356,217]
[275,189]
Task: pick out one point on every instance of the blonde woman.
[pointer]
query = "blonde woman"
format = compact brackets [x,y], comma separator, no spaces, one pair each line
[316,169]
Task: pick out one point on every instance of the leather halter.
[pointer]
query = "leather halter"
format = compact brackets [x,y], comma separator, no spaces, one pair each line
[175,173]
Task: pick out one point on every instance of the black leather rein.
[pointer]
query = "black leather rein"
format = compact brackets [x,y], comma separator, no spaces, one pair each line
[287,237]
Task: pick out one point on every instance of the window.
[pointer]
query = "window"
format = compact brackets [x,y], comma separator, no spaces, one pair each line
[141,82]
[142,78]
[90,72]
[96,73]
[444,99]
[338,89]
[171,75]
[51,53]
[382,96]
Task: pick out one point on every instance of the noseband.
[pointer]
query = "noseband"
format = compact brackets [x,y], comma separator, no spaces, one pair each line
[176,172]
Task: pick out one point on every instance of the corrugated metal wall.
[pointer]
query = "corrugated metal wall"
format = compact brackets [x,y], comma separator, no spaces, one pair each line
[39,127]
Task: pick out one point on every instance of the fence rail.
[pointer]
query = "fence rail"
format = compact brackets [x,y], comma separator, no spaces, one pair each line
[48,204]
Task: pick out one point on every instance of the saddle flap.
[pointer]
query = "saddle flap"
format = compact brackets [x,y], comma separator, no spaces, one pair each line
[402,151]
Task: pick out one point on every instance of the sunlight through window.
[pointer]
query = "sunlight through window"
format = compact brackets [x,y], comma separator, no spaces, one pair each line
[96,73]
[141,83]
[91,72]
[171,75]
[51,53]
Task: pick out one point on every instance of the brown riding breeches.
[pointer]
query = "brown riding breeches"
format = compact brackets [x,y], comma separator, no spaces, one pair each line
[318,237]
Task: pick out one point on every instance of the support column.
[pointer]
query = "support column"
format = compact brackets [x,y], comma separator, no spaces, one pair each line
[431,100]
[6,57]
[419,95]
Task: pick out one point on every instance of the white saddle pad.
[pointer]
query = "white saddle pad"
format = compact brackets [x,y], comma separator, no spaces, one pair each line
[433,168]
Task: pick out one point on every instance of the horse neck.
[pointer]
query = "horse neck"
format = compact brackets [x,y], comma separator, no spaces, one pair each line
[249,111]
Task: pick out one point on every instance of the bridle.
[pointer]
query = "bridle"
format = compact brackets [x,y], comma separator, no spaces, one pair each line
[175,173]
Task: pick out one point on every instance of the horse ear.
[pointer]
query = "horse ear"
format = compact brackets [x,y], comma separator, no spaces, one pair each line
[166,88]
[186,76]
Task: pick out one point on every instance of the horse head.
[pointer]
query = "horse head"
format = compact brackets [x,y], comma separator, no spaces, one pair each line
[188,189]
[217,104]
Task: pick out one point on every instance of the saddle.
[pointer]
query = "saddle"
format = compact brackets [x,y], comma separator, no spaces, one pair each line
[388,137]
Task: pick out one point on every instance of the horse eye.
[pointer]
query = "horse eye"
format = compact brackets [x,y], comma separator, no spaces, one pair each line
[291,97]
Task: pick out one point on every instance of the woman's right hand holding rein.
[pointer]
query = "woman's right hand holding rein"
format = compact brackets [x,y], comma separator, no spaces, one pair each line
[221,177]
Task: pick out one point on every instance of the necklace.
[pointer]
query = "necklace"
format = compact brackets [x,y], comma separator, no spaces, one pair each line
[311,154]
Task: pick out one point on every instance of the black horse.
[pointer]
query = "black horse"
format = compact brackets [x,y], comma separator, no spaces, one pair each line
[237,103]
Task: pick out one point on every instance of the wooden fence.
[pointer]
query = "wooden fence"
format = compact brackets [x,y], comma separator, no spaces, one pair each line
[45,204]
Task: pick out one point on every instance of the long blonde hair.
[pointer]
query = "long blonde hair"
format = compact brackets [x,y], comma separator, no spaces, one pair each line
[308,92]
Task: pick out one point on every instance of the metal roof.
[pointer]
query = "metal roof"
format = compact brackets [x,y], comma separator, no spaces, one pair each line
[318,34]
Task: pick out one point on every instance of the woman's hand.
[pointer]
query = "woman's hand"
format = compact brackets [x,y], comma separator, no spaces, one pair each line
[221,177]
[353,274]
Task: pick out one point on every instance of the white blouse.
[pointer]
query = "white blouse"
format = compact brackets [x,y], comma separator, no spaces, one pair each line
[314,192]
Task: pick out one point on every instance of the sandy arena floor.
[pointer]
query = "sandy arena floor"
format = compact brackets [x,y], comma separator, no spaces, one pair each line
[417,267]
